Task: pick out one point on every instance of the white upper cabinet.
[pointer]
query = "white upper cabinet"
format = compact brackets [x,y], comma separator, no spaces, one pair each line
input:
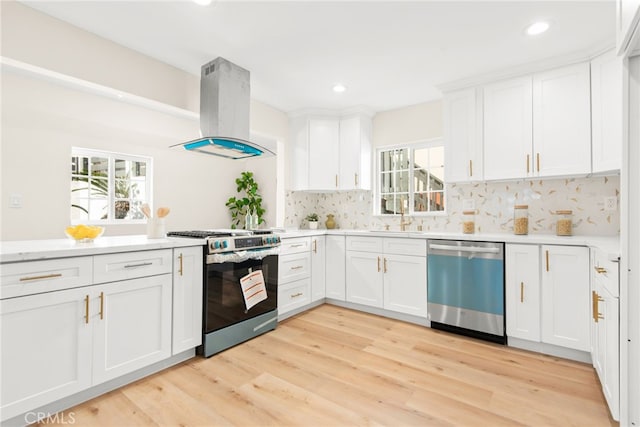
[330,152]
[562,122]
[462,135]
[355,154]
[508,129]
[606,112]
[627,22]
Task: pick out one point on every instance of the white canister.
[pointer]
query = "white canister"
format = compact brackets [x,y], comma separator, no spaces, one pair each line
[156,228]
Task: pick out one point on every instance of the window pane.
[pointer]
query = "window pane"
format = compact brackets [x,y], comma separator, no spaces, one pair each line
[437,178]
[436,201]
[122,208]
[421,158]
[436,157]
[99,188]
[421,202]
[79,209]
[401,159]
[122,189]
[402,183]
[98,209]
[386,161]
[138,169]
[99,166]
[420,180]
[122,168]
[79,165]
[79,187]
[387,204]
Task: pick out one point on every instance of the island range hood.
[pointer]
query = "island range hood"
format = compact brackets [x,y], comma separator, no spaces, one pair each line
[224,113]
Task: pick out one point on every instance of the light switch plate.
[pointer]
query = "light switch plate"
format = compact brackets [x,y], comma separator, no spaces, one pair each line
[610,203]
[468,204]
[15,201]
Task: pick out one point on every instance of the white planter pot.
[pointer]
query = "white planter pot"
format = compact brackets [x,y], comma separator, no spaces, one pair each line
[313,225]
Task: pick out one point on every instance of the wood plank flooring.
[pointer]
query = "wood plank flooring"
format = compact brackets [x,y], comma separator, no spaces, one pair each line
[332,367]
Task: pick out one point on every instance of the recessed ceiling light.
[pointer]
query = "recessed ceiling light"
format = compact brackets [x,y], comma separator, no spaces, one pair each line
[537,28]
[339,88]
[202,2]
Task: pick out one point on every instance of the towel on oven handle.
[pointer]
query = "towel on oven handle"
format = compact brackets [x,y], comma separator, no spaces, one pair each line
[240,256]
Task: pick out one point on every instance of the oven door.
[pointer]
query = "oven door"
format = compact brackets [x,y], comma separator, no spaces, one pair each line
[224,303]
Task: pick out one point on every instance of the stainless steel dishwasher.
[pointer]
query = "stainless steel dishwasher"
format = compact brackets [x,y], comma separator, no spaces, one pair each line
[465,288]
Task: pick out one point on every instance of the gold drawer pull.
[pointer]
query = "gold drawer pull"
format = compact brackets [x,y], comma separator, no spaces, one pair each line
[385,264]
[547,259]
[101,305]
[296,295]
[297,267]
[537,162]
[600,270]
[297,245]
[180,270]
[142,264]
[470,167]
[528,163]
[521,291]
[378,264]
[46,276]
[86,309]
[315,246]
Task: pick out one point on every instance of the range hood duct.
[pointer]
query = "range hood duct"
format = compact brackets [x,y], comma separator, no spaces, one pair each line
[224,113]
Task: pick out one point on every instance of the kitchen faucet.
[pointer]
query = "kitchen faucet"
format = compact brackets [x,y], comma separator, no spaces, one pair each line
[403,224]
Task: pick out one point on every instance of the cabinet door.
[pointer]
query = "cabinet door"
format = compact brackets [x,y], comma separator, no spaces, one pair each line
[187,298]
[565,296]
[522,290]
[46,349]
[318,268]
[335,267]
[324,137]
[355,153]
[462,136]
[561,121]
[508,129]
[609,350]
[132,328]
[405,284]
[299,153]
[364,278]
[606,112]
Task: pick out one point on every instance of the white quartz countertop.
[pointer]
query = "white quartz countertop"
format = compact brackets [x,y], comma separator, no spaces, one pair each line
[31,250]
[609,245]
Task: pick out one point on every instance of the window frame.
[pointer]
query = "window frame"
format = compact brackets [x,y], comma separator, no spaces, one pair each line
[112,156]
[411,147]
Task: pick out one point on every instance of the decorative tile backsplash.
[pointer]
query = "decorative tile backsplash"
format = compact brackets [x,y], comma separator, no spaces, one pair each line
[494,203]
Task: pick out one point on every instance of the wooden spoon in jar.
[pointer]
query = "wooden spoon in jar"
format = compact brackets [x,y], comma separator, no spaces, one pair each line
[162,212]
[146,210]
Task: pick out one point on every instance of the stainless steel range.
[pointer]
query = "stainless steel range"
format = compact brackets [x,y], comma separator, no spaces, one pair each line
[240,280]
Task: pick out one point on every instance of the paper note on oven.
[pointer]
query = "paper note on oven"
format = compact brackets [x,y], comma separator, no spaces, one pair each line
[253,288]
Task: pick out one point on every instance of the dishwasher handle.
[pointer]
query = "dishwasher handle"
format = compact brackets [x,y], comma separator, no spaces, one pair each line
[474,249]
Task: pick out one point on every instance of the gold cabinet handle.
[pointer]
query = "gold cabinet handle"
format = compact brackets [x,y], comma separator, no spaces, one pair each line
[297,267]
[538,162]
[595,306]
[385,264]
[547,259]
[101,305]
[180,269]
[356,176]
[296,295]
[336,181]
[521,291]
[315,246]
[297,245]
[528,162]
[46,276]
[378,264]
[86,309]
[470,167]
[600,270]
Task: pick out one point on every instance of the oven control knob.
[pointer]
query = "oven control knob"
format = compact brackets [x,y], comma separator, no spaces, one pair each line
[216,244]
[225,244]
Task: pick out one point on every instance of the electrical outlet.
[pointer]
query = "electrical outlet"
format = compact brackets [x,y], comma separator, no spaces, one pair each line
[610,203]
[15,201]
[468,205]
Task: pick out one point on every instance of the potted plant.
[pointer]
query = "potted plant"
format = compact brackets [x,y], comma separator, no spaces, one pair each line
[312,219]
[250,202]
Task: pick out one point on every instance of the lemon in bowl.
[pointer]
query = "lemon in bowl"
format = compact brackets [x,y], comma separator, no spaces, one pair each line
[84,233]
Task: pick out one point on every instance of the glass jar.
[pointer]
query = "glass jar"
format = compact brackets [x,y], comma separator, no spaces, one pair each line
[564,223]
[468,222]
[521,219]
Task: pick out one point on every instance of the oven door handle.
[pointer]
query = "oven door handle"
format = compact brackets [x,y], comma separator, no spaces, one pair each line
[241,256]
[477,249]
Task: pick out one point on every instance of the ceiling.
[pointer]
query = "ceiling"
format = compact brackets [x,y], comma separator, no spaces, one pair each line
[389,54]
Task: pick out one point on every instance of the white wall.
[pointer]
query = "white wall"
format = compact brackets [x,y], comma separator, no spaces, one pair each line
[42,120]
[408,124]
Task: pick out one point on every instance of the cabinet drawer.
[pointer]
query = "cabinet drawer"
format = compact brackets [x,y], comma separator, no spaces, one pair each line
[364,244]
[293,295]
[606,272]
[27,278]
[416,247]
[295,245]
[294,267]
[130,265]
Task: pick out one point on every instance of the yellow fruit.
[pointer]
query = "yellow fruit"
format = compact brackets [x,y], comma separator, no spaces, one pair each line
[82,231]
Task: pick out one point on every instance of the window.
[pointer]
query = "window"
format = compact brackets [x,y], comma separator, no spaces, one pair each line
[108,188]
[411,179]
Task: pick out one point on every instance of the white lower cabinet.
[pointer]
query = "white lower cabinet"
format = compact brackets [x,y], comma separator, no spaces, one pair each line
[335,268]
[46,349]
[293,295]
[318,267]
[565,296]
[132,325]
[294,274]
[522,291]
[394,278]
[605,329]
[187,298]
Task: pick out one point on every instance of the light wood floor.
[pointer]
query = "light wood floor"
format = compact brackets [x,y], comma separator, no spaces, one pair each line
[332,366]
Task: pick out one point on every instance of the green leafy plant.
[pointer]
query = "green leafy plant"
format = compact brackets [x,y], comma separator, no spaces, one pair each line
[312,217]
[248,201]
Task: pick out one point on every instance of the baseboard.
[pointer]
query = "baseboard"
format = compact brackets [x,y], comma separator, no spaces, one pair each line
[550,349]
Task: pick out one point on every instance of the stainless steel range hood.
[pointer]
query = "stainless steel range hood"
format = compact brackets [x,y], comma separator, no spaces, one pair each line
[224,113]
